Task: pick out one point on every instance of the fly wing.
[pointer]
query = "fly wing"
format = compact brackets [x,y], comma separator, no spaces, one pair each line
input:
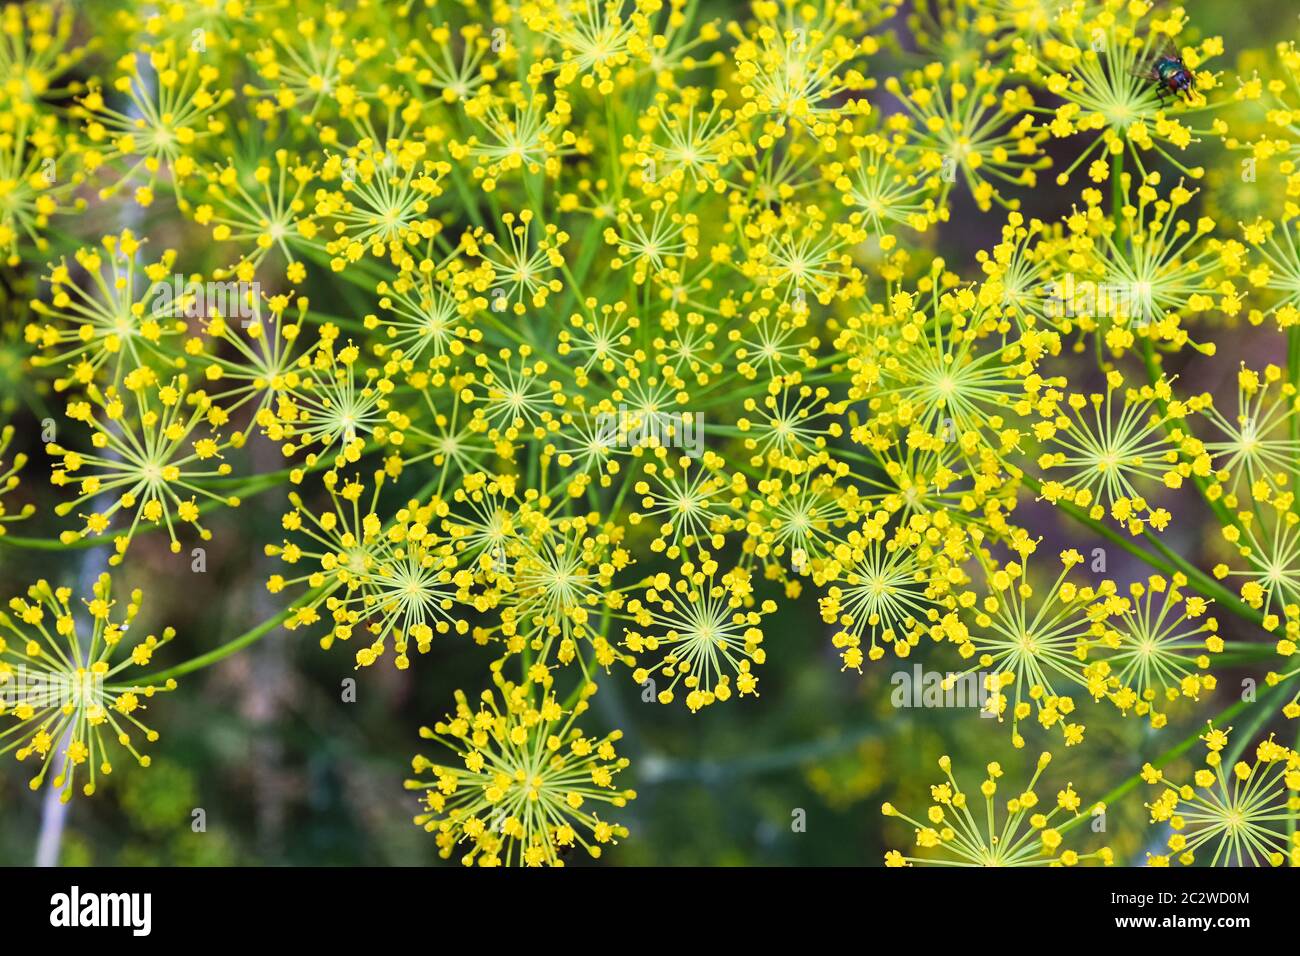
[1165,48]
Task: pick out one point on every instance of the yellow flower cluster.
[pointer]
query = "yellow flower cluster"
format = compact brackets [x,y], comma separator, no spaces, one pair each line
[594,335]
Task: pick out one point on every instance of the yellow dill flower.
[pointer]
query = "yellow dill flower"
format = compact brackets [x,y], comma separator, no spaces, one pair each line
[312,64]
[451,438]
[1098,59]
[952,375]
[1107,445]
[1027,833]
[36,182]
[1273,138]
[67,691]
[395,579]
[1267,537]
[654,242]
[120,316]
[707,628]
[334,403]
[250,361]
[792,424]
[1023,275]
[521,784]
[882,590]
[521,271]
[174,103]
[799,254]
[263,209]
[885,189]
[553,581]
[1160,641]
[424,315]
[1035,640]
[341,546]
[453,64]
[382,201]
[967,123]
[799,521]
[150,449]
[1276,270]
[797,64]
[517,131]
[687,499]
[513,397]
[689,147]
[36,52]
[1141,278]
[1236,816]
[596,40]
[1257,444]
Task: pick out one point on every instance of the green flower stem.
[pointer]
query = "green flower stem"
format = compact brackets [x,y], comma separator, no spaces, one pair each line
[780,758]
[49,544]
[1176,751]
[1232,658]
[1170,755]
[237,644]
[1226,518]
[1206,583]
[1166,560]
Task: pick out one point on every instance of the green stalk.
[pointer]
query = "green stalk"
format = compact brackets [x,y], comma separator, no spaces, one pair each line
[1167,560]
[236,644]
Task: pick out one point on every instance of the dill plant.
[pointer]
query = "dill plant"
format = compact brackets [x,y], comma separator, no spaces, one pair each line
[654,340]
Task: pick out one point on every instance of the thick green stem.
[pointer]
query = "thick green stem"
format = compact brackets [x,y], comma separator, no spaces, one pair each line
[1166,560]
[231,646]
[1172,754]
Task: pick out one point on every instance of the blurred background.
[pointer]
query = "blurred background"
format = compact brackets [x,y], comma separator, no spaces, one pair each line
[289,772]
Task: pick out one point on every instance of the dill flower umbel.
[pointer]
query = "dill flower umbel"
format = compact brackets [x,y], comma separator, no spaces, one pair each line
[397,583]
[1109,444]
[526,785]
[1026,835]
[1161,642]
[1097,58]
[116,320]
[968,124]
[1041,648]
[707,629]
[1236,816]
[68,694]
[174,106]
[150,450]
